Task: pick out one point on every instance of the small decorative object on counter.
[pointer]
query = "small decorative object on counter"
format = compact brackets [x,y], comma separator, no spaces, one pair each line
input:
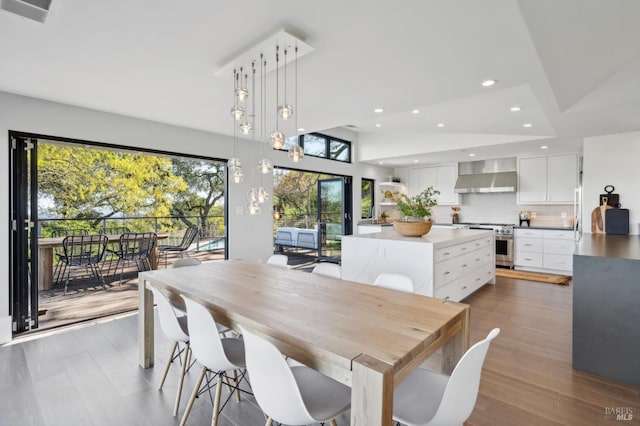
[524,218]
[395,179]
[416,212]
[455,218]
[383,217]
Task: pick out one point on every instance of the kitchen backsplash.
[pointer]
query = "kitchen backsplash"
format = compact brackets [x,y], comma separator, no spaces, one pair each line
[502,208]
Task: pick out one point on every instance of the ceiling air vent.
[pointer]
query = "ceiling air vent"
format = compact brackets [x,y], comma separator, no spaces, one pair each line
[32,9]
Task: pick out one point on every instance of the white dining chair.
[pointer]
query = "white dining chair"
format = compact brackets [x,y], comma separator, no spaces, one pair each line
[328,269]
[278,260]
[217,355]
[186,261]
[295,395]
[427,398]
[174,327]
[394,282]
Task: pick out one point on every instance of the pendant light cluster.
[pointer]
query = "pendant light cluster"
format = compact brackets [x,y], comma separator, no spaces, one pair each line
[245,122]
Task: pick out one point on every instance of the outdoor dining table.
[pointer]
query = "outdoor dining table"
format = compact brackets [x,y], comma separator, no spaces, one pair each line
[369,338]
[46,247]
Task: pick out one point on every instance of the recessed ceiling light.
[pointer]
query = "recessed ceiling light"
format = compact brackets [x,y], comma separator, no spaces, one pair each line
[472,155]
[527,125]
[378,110]
[440,124]
[415,111]
[488,83]
[544,147]
[415,161]
[378,125]
[301,129]
[380,162]
[515,109]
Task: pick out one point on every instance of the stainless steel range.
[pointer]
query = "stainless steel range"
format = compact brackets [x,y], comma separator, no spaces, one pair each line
[504,240]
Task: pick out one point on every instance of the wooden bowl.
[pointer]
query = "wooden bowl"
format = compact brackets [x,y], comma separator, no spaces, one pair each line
[412,229]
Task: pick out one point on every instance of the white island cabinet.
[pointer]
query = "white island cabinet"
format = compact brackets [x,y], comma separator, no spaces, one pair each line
[446,263]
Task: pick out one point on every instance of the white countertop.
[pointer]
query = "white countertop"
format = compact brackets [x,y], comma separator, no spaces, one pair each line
[438,237]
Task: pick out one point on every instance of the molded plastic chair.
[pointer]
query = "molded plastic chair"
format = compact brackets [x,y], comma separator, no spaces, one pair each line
[186,261]
[217,355]
[434,399]
[174,328]
[291,395]
[278,260]
[395,282]
[328,269]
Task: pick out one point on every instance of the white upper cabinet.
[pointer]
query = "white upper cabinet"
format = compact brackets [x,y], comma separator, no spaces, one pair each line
[441,177]
[547,180]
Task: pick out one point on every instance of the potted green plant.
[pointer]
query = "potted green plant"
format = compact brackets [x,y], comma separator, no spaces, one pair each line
[416,212]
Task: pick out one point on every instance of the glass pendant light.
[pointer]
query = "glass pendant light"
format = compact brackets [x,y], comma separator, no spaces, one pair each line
[262,195]
[234,163]
[246,127]
[296,152]
[253,208]
[265,166]
[236,110]
[237,175]
[285,111]
[277,137]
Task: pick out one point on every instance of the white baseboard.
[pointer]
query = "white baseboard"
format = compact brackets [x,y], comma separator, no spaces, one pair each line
[5,329]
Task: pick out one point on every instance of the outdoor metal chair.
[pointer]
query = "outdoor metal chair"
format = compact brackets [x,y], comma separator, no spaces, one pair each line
[187,239]
[59,251]
[133,247]
[83,250]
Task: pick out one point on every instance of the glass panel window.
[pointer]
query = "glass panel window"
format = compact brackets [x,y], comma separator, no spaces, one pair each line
[315,145]
[340,151]
[367,199]
[289,141]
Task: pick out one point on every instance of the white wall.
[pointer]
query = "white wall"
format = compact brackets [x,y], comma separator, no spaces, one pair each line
[250,237]
[612,160]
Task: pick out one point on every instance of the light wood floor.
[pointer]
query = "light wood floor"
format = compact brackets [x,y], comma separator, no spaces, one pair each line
[89,376]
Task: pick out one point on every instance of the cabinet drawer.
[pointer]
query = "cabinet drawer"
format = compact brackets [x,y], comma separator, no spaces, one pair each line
[559,262]
[528,233]
[450,291]
[449,270]
[559,247]
[476,280]
[447,253]
[529,245]
[533,260]
[557,234]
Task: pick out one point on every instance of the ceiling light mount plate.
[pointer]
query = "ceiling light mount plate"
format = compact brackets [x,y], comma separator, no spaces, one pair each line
[283,38]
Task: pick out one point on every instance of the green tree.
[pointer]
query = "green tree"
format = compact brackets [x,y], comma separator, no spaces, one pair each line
[83,182]
[204,195]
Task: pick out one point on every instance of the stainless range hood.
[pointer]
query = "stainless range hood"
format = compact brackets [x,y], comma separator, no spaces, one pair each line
[487,176]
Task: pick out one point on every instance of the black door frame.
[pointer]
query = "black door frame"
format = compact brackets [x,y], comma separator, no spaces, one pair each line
[23,253]
[346,212]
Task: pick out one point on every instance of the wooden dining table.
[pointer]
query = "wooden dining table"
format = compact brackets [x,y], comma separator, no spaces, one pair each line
[46,247]
[369,338]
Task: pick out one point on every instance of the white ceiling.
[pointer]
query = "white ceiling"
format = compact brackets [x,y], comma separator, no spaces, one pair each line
[572,65]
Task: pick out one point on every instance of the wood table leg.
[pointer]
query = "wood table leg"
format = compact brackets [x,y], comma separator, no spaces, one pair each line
[371,392]
[45,268]
[457,345]
[145,324]
[153,256]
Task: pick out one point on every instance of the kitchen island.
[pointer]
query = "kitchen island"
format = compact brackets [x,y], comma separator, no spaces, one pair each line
[606,300]
[446,263]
